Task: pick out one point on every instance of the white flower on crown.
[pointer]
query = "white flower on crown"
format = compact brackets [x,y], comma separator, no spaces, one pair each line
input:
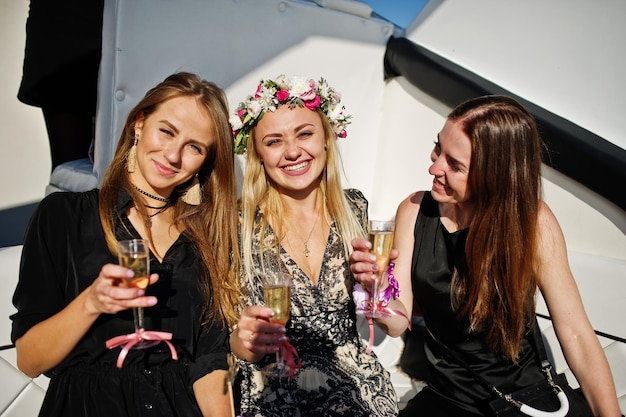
[303,88]
[254,108]
[335,113]
[235,122]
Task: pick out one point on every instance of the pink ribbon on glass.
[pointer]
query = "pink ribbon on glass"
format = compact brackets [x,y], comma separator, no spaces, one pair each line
[291,357]
[364,303]
[368,305]
[131,339]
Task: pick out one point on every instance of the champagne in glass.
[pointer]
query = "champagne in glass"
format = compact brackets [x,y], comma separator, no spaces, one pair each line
[134,254]
[140,264]
[276,294]
[381,237]
[277,298]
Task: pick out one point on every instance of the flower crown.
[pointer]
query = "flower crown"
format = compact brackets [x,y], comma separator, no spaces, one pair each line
[300,91]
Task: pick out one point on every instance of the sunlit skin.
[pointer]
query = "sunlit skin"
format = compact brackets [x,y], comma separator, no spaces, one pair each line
[451,159]
[173,144]
[290,143]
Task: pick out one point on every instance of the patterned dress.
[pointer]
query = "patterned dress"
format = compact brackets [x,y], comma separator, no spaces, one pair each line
[337,377]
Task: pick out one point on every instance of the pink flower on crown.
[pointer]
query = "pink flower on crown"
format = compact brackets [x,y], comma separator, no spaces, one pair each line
[282,95]
[313,104]
[259,91]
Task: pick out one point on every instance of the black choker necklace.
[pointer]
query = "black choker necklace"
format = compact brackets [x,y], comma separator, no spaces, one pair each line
[152,196]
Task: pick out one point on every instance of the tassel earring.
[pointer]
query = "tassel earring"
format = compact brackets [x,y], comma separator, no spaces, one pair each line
[193,195]
[131,157]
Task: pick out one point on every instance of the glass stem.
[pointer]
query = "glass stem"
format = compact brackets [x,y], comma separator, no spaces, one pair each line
[280,361]
[138,318]
[376,291]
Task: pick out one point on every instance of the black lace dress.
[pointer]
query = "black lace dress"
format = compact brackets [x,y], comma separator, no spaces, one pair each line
[337,377]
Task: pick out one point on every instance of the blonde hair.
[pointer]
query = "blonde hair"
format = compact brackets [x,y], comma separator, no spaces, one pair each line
[259,189]
[212,225]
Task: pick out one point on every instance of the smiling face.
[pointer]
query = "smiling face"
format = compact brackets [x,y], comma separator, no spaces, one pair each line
[290,144]
[451,159]
[174,142]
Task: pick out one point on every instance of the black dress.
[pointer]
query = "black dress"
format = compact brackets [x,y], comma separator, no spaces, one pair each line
[63,253]
[451,389]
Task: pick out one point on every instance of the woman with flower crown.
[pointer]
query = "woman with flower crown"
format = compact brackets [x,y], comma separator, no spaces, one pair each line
[295,217]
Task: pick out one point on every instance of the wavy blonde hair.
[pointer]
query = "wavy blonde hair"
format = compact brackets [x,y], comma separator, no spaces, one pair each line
[259,189]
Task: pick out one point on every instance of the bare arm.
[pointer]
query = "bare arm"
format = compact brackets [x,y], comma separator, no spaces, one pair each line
[211,397]
[578,341]
[48,343]
[363,265]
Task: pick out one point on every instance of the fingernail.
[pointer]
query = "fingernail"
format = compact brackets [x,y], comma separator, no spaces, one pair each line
[372,258]
[152,301]
[274,349]
[141,293]
[282,339]
[282,330]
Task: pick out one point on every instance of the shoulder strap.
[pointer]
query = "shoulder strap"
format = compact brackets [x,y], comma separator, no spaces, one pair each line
[452,353]
[538,346]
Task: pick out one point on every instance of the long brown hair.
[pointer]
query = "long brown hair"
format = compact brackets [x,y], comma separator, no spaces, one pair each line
[212,225]
[496,287]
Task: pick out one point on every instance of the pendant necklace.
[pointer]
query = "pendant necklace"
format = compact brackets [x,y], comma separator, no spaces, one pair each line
[159,210]
[307,252]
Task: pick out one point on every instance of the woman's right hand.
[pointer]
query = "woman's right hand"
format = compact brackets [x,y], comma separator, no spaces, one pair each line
[49,342]
[256,334]
[107,295]
[363,263]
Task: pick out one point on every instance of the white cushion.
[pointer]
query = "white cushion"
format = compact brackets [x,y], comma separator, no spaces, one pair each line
[75,175]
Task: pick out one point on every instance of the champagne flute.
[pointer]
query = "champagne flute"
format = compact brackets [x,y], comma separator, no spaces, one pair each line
[276,294]
[381,237]
[134,254]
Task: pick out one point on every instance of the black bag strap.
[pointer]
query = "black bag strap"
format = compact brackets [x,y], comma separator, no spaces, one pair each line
[538,347]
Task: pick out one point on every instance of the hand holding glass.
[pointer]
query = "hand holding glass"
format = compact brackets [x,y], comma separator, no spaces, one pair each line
[276,293]
[381,237]
[134,254]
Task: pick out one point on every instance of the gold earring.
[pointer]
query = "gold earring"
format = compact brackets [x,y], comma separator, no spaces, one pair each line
[131,156]
[193,195]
